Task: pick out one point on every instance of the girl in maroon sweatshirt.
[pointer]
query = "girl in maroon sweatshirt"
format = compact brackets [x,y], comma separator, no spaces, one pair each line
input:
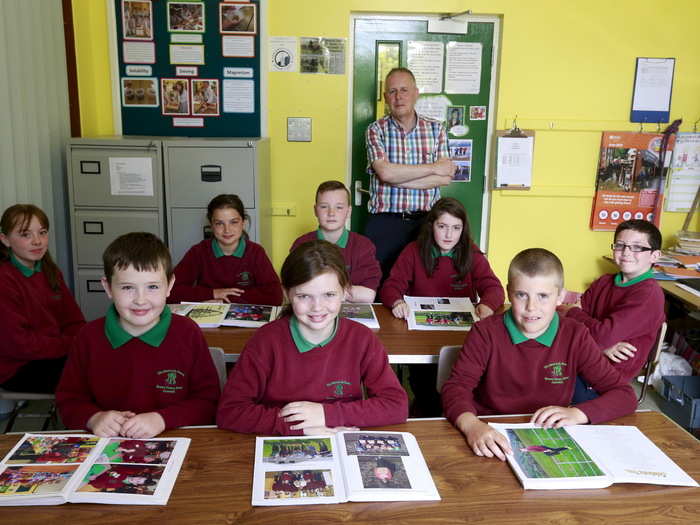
[443,262]
[230,267]
[39,317]
[304,372]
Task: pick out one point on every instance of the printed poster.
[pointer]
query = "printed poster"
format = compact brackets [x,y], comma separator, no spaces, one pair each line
[628,185]
[684,177]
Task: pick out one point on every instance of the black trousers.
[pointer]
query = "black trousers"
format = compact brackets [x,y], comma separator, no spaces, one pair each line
[390,233]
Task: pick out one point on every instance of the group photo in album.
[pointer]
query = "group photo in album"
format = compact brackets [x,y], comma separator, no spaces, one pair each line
[296,450]
[347,466]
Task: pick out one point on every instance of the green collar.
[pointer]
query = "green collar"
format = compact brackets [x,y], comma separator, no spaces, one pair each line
[436,252]
[238,252]
[546,338]
[117,336]
[342,241]
[646,275]
[27,272]
[301,343]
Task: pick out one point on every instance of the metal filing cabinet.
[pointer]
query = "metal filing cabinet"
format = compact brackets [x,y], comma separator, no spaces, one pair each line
[115,187]
[196,170]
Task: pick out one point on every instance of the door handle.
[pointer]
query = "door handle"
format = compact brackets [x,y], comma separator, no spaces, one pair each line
[359,190]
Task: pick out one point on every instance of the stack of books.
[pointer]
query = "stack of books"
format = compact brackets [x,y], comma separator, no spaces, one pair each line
[688,242]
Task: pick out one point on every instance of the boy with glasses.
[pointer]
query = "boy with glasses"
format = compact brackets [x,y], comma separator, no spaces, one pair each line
[624,311]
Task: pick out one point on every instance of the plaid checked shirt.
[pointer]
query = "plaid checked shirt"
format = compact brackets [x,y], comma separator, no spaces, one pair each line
[424,144]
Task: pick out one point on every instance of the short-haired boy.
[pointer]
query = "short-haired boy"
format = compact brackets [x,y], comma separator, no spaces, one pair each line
[139,370]
[332,210]
[624,311]
[527,359]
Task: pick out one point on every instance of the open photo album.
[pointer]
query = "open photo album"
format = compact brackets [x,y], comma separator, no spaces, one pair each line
[211,315]
[440,313]
[51,469]
[361,313]
[348,466]
[587,456]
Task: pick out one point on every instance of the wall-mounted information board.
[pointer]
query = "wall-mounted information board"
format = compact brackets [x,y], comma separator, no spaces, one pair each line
[189,68]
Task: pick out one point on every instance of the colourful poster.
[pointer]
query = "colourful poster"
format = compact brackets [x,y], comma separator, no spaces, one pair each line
[628,184]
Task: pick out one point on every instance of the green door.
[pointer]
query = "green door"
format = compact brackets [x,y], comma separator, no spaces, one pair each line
[379,45]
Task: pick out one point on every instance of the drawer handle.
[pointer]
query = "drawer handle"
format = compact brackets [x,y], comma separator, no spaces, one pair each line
[93,227]
[210,173]
[94,286]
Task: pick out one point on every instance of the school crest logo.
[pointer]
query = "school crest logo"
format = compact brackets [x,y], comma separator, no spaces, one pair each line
[555,373]
[170,381]
[338,388]
[456,284]
[244,278]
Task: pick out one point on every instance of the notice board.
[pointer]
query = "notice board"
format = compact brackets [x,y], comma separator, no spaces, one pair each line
[189,68]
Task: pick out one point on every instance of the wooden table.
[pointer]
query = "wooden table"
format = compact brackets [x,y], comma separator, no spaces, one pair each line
[404,346]
[214,486]
[690,300]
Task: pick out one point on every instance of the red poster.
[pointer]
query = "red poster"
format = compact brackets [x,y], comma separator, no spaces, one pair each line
[628,185]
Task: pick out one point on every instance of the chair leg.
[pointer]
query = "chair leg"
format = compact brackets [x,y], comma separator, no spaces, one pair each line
[11,419]
[50,418]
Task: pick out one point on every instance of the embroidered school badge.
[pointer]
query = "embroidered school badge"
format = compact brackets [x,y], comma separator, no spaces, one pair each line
[338,388]
[554,373]
[170,381]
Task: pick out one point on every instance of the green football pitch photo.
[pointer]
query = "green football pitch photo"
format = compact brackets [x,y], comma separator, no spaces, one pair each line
[550,453]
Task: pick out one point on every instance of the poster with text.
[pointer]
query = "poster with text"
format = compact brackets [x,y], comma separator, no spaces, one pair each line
[628,183]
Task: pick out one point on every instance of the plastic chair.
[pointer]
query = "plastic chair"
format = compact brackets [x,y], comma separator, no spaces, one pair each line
[217,356]
[652,361]
[447,358]
[49,417]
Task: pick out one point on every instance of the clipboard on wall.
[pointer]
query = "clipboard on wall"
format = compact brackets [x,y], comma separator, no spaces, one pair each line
[514,154]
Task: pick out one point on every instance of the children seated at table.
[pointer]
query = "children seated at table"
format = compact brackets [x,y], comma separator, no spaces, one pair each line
[332,209]
[38,314]
[229,268]
[443,262]
[305,372]
[139,370]
[624,311]
[527,359]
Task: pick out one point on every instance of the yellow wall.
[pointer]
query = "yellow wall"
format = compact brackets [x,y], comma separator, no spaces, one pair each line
[564,64]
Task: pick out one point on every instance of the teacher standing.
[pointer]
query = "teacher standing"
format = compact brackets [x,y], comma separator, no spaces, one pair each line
[408,161]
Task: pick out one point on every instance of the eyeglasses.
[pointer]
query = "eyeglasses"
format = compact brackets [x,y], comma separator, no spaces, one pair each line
[634,248]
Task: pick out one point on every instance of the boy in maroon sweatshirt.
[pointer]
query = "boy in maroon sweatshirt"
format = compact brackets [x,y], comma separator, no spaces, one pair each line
[527,360]
[139,370]
[332,210]
[624,311]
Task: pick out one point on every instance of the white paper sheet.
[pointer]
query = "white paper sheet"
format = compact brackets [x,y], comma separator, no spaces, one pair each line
[131,176]
[139,52]
[652,86]
[425,60]
[238,46]
[514,163]
[463,69]
[239,96]
[186,54]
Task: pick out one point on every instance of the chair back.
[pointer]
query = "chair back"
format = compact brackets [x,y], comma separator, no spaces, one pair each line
[448,356]
[217,357]
[652,361]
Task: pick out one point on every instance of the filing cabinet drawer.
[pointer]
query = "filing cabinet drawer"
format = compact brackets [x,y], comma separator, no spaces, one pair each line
[133,180]
[197,174]
[92,298]
[95,229]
